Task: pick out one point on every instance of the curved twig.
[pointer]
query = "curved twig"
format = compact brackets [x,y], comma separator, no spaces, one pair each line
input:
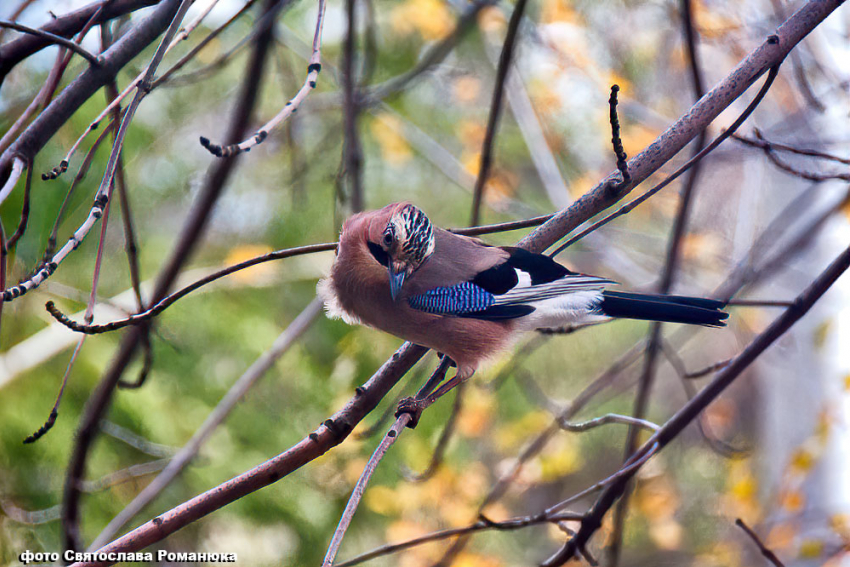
[291,107]
[53,38]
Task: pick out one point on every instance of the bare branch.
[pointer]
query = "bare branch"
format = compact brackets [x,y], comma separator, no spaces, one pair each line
[17,50]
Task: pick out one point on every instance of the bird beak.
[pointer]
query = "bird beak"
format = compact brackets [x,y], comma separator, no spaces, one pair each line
[396,281]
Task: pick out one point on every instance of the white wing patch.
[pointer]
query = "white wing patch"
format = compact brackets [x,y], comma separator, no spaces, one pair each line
[524,279]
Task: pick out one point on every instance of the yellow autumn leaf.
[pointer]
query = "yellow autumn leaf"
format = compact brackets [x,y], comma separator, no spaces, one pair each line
[559,11]
[466,89]
[614,78]
[657,499]
[491,20]
[471,135]
[477,411]
[802,460]
[720,416]
[432,19]
[508,436]
[561,457]
[636,137]
[793,500]
[386,129]
[467,559]
[811,548]
[822,332]
[780,537]
[245,252]
[666,534]
[711,23]
[845,207]
[840,524]
[382,500]
[354,468]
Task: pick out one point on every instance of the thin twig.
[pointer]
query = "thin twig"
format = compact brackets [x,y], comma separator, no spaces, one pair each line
[352,154]
[675,175]
[761,142]
[145,78]
[124,475]
[167,301]
[483,524]
[101,197]
[53,38]
[50,249]
[433,56]
[768,554]
[671,265]
[354,500]
[25,211]
[495,110]
[605,420]
[714,442]
[136,441]
[784,166]
[443,441]
[313,70]
[616,141]
[389,439]
[17,168]
[165,77]
[627,470]
[17,14]
[101,201]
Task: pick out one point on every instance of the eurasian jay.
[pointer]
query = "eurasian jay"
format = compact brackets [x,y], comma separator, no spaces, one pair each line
[397,272]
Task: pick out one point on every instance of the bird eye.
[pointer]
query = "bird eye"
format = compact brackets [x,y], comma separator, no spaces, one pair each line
[388,239]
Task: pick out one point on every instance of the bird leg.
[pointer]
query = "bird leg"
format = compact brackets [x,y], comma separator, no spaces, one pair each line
[415,406]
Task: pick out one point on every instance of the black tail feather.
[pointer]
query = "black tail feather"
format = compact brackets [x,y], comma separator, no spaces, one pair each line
[666,308]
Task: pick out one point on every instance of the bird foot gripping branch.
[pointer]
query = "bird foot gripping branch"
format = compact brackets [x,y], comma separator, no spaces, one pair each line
[396,272]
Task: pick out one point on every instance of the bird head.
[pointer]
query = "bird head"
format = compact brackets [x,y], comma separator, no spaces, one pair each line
[403,244]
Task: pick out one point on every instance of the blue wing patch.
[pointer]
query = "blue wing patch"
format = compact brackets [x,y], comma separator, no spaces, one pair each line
[458,299]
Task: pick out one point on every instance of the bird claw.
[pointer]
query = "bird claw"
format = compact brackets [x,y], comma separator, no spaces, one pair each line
[412,407]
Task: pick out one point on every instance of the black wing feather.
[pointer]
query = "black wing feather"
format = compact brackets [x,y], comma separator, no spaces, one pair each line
[503,277]
[541,268]
[500,312]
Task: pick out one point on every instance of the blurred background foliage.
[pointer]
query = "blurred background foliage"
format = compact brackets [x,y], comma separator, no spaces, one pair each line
[421,144]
